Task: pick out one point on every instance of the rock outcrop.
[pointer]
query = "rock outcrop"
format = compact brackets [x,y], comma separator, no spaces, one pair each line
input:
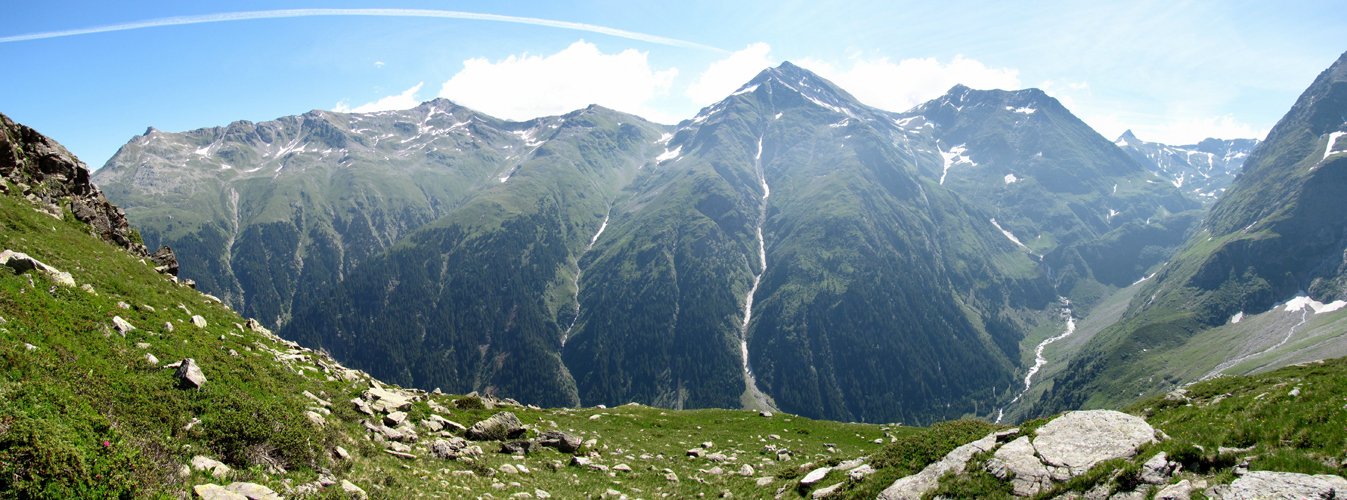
[1066,447]
[46,174]
[501,426]
[1264,485]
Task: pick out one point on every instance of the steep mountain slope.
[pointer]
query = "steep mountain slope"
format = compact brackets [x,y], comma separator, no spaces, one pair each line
[481,298]
[784,252]
[1277,232]
[267,215]
[1202,171]
[1062,190]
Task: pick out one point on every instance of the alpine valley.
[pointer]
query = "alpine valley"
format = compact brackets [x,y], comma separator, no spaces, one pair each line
[625,309]
[789,248]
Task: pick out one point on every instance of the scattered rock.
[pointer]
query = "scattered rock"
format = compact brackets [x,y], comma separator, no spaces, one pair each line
[764,481]
[766,414]
[402,455]
[342,453]
[189,375]
[168,326]
[1182,490]
[253,491]
[1158,469]
[508,469]
[816,475]
[29,347]
[21,263]
[317,419]
[517,447]
[1265,485]
[541,494]
[859,473]
[353,490]
[215,492]
[153,361]
[825,491]
[695,452]
[499,427]
[746,470]
[122,325]
[395,419]
[580,462]
[622,468]
[204,463]
[199,321]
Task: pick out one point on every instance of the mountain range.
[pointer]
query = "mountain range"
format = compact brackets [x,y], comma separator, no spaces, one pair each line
[787,248]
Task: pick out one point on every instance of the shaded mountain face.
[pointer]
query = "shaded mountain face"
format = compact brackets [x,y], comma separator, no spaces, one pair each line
[1277,231]
[267,215]
[789,247]
[784,223]
[1201,171]
[1060,189]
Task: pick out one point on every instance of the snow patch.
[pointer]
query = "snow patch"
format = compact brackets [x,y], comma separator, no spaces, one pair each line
[778,116]
[206,150]
[1239,316]
[1300,301]
[1010,178]
[1009,235]
[955,156]
[226,166]
[1332,138]
[1143,278]
[669,154]
[664,139]
[745,90]
[1024,110]
[840,124]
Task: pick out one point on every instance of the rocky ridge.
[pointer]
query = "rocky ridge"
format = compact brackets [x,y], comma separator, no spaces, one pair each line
[47,175]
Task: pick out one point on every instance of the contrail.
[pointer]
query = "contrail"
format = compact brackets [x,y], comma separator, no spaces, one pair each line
[269,14]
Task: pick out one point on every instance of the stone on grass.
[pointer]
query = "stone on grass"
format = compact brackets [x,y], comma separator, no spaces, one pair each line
[395,419]
[622,468]
[342,453]
[564,442]
[1182,490]
[1016,461]
[499,427]
[353,490]
[199,321]
[859,473]
[823,492]
[764,481]
[153,361]
[190,375]
[1158,469]
[215,492]
[317,419]
[122,325]
[1266,485]
[508,469]
[253,491]
[204,463]
[746,470]
[816,475]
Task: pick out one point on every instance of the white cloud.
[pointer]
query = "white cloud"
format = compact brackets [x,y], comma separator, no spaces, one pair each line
[405,100]
[900,86]
[524,87]
[378,64]
[726,75]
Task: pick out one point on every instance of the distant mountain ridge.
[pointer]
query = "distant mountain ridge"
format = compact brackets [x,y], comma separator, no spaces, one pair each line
[788,247]
[1202,171]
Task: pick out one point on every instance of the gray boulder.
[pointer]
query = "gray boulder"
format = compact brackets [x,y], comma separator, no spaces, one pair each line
[1182,490]
[253,491]
[1016,461]
[1080,439]
[1266,485]
[189,375]
[1158,469]
[499,427]
[564,442]
[215,492]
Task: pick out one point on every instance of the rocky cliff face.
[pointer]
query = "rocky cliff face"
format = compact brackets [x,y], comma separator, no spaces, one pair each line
[54,180]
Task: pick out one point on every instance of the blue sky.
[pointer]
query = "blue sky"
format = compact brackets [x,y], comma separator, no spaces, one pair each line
[1172,71]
